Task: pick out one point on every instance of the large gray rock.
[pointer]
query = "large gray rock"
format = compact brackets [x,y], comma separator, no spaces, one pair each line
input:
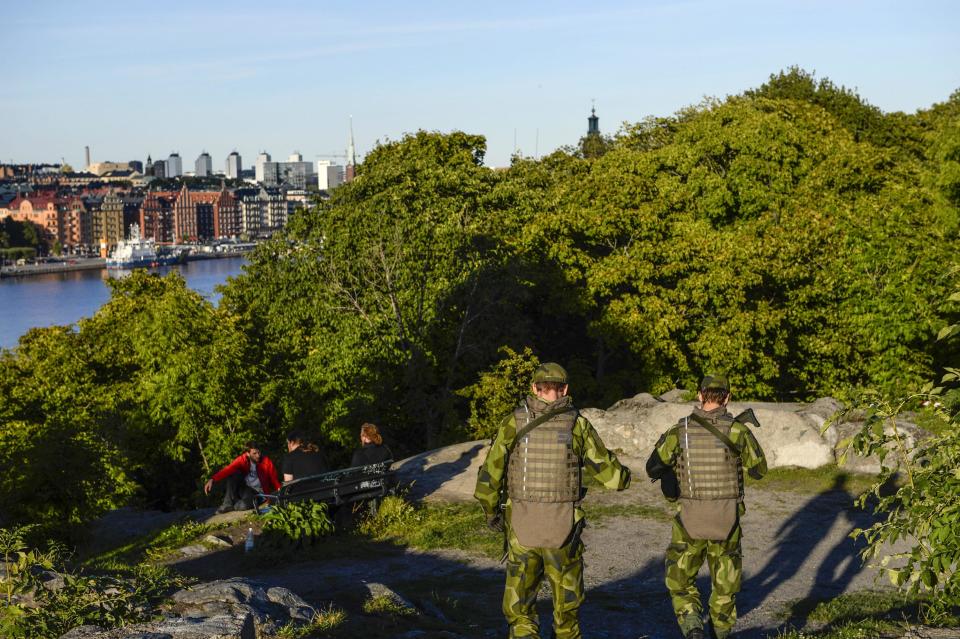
[242,626]
[789,435]
[225,609]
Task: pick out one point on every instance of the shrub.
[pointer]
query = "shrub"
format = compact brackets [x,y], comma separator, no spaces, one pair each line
[296,525]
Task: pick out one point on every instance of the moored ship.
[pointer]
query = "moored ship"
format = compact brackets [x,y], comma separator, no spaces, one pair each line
[138,252]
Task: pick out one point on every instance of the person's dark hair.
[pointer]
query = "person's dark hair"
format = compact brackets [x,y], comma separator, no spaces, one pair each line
[714,395]
[548,386]
[250,445]
[302,442]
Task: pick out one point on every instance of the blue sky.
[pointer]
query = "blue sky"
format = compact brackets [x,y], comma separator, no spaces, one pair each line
[136,77]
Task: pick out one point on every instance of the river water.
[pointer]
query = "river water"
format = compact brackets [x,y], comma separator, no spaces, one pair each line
[64,298]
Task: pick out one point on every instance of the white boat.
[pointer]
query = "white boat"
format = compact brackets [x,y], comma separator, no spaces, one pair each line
[137,252]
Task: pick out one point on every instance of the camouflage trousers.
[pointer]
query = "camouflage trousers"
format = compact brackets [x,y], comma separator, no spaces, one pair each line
[526,568]
[684,558]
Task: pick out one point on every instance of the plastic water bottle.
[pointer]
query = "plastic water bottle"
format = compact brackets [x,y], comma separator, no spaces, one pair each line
[248,544]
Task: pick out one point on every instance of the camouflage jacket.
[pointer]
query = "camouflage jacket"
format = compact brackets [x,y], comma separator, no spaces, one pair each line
[753,460]
[598,465]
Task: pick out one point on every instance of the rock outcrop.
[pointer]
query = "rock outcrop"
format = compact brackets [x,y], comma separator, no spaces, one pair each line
[224,609]
[789,434]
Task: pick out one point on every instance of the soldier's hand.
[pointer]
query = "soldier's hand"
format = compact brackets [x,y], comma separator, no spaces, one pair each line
[495,523]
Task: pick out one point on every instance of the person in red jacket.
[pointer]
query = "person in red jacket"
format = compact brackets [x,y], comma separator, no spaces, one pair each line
[250,473]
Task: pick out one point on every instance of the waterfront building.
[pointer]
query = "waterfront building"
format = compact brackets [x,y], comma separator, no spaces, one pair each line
[41,210]
[251,209]
[276,209]
[156,216]
[92,222]
[205,215]
[174,165]
[234,165]
[111,222]
[204,165]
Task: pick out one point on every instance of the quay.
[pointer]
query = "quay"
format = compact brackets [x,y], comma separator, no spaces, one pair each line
[94,263]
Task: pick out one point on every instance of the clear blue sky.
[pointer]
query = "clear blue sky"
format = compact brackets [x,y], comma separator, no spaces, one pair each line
[135,77]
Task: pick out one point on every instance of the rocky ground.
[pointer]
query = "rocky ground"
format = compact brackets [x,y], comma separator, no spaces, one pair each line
[796,551]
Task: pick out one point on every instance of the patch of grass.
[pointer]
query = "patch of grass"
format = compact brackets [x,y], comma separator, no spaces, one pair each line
[154,546]
[432,527]
[386,605]
[861,615]
[812,480]
[599,512]
[325,621]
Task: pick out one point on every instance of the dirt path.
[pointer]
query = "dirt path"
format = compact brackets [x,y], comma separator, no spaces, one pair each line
[796,548]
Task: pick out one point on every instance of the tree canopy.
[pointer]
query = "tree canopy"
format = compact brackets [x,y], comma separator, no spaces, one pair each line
[793,237]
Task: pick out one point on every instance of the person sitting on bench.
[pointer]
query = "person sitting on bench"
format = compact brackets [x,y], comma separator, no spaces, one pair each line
[372,450]
[303,458]
[250,473]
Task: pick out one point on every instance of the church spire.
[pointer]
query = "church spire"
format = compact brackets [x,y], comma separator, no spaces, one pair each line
[593,122]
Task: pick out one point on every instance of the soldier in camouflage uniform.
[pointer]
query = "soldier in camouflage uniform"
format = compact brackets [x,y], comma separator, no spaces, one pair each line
[708,452]
[537,458]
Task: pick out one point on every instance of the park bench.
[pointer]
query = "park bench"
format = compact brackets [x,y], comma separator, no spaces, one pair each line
[336,487]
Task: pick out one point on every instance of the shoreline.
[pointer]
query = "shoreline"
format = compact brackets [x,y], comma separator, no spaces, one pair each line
[96,263]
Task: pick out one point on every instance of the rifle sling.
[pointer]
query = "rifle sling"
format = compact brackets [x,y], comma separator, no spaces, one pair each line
[533,424]
[716,433]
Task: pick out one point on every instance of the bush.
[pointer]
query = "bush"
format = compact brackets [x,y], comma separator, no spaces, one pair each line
[296,525]
[36,611]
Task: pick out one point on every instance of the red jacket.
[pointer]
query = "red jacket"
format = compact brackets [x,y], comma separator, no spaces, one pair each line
[265,471]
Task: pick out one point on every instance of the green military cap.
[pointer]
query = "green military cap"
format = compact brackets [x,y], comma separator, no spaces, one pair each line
[550,372]
[715,382]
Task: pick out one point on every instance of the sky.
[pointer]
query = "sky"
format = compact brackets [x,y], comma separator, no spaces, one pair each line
[135,78]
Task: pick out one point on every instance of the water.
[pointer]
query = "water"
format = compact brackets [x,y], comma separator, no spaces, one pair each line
[63,298]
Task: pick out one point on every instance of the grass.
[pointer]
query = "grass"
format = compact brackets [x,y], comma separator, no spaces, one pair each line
[862,615]
[328,620]
[386,605]
[812,480]
[433,527]
[154,547]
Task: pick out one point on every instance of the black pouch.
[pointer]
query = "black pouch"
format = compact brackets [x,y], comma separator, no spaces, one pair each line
[657,470]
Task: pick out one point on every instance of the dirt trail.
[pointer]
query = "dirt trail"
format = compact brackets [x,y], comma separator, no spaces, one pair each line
[796,547]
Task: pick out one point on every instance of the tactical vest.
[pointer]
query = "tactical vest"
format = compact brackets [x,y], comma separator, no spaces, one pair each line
[543,466]
[707,468]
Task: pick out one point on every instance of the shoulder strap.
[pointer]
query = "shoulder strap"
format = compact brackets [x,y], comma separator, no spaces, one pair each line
[536,422]
[716,433]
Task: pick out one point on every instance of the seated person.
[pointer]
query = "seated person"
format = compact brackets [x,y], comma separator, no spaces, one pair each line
[372,449]
[303,458]
[250,473]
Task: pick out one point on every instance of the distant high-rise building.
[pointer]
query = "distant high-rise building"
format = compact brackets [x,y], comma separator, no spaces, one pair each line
[174,165]
[234,165]
[262,159]
[87,153]
[160,169]
[329,175]
[204,165]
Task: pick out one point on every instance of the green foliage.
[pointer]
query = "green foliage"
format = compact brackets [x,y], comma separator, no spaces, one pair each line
[295,525]
[19,234]
[925,509]
[13,254]
[34,610]
[499,390]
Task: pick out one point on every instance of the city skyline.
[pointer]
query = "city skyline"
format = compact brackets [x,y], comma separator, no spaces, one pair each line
[149,80]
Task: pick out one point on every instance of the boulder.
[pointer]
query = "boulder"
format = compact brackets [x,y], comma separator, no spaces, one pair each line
[225,609]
